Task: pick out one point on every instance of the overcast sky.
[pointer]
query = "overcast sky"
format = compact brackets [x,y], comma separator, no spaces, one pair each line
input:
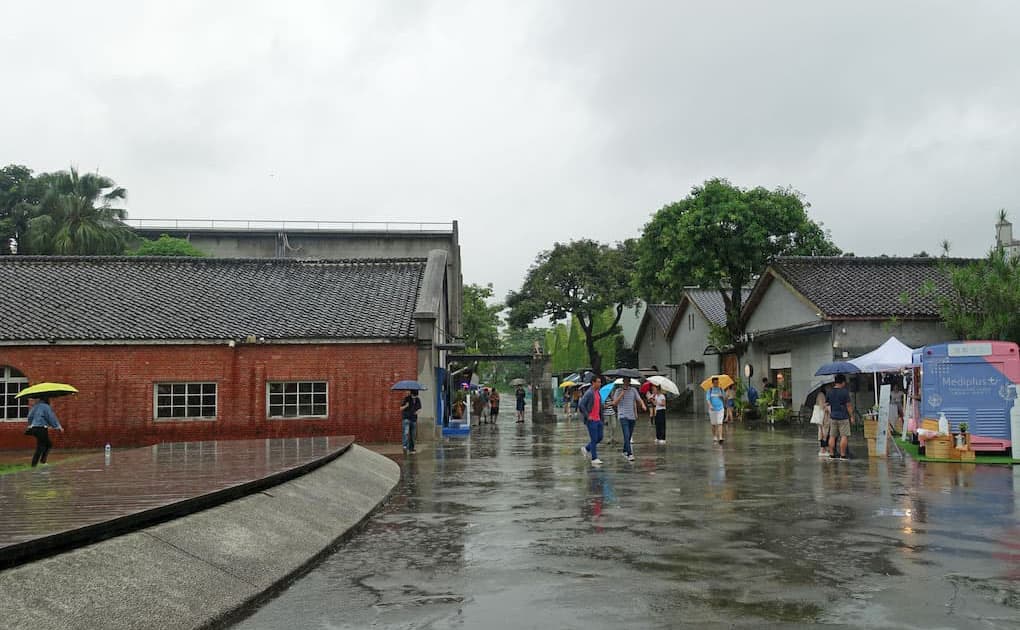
[528,122]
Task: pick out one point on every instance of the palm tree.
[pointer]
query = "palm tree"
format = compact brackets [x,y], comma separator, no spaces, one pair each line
[75,217]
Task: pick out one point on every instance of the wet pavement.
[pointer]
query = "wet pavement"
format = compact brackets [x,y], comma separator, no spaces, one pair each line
[512,528]
[48,508]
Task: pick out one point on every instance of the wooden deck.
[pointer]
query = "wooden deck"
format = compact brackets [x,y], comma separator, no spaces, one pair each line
[49,509]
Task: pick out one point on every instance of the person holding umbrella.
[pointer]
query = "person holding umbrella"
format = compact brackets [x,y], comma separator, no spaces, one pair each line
[626,402]
[40,419]
[716,399]
[410,405]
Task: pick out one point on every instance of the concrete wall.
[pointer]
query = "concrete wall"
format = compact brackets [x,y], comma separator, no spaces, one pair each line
[198,569]
[864,336]
[688,344]
[779,308]
[653,347]
[808,351]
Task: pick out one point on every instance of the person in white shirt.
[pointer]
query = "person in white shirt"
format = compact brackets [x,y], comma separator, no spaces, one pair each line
[659,400]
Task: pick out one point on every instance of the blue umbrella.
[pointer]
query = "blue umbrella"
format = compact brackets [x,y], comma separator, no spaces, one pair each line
[409,385]
[838,367]
[605,390]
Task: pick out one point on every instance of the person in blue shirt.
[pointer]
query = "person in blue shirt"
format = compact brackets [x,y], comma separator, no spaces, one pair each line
[841,416]
[716,399]
[40,420]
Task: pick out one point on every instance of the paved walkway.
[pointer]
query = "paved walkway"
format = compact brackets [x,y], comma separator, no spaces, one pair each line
[58,506]
[512,529]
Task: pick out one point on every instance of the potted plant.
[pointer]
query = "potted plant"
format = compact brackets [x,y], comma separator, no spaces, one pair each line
[961,437]
[459,404]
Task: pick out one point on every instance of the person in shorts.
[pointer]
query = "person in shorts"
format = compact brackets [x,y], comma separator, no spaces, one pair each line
[494,405]
[715,398]
[841,413]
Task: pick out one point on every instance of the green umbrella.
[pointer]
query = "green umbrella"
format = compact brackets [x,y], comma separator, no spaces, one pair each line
[46,390]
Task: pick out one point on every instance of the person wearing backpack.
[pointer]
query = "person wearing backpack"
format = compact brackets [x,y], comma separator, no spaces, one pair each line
[409,408]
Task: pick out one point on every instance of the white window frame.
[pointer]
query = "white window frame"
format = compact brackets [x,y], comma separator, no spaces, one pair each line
[297,399]
[187,385]
[7,400]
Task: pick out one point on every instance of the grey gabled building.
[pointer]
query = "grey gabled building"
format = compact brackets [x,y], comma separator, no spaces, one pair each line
[806,311]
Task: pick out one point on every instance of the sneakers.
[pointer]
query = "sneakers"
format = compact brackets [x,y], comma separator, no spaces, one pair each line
[630,457]
[596,462]
[823,453]
[585,452]
[660,441]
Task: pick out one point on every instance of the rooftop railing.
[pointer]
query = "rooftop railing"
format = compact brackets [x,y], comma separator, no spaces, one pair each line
[260,225]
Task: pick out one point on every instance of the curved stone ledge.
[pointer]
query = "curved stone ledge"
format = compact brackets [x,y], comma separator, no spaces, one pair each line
[199,570]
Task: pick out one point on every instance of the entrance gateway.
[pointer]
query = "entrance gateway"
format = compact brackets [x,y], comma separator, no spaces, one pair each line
[540,383]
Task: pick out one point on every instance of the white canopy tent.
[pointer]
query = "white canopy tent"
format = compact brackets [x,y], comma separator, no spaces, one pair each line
[891,356]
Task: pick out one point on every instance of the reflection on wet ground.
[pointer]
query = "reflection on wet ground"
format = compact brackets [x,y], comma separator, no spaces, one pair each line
[513,529]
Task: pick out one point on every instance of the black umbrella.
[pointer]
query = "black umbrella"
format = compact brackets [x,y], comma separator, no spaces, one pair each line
[624,373]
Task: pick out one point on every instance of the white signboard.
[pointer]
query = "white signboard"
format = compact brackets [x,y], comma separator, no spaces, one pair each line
[883,419]
[969,349]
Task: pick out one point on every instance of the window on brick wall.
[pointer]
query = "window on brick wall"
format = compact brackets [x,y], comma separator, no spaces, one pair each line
[296,399]
[185,401]
[12,382]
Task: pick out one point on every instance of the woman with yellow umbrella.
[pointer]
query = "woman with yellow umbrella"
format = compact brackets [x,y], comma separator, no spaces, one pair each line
[715,395]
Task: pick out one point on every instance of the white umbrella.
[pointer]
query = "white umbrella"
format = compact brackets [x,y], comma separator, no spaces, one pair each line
[665,384]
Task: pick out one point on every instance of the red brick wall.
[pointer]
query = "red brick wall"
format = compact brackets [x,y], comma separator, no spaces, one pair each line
[115,403]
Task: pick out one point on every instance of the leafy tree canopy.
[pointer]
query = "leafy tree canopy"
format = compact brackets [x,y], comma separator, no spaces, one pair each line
[581,278]
[985,299]
[722,236]
[167,245]
[480,320]
[63,212]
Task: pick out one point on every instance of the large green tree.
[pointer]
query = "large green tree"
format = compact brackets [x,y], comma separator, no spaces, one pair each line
[480,320]
[19,193]
[722,236]
[75,216]
[984,300]
[583,279]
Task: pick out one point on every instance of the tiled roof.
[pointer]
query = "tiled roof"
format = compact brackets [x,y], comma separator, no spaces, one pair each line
[711,304]
[867,287]
[125,298]
[662,314]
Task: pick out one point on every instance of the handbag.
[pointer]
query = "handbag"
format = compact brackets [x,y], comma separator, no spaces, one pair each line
[817,415]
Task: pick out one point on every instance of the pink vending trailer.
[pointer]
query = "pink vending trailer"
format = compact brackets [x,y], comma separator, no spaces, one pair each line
[972,382]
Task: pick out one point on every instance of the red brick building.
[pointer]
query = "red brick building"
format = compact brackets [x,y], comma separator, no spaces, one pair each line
[200,349]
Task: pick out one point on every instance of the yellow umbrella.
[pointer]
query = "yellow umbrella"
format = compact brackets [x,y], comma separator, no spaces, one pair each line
[47,390]
[724,381]
[567,384]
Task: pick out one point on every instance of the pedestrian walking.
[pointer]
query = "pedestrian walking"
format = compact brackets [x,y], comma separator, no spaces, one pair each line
[731,402]
[494,405]
[477,406]
[716,399]
[485,405]
[409,408]
[841,413]
[659,402]
[40,420]
[519,395]
[626,403]
[592,411]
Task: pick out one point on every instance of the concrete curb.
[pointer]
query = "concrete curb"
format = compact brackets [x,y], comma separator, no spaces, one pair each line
[200,570]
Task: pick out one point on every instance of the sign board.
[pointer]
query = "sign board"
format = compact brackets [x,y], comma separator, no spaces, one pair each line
[969,349]
[883,419]
[780,361]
